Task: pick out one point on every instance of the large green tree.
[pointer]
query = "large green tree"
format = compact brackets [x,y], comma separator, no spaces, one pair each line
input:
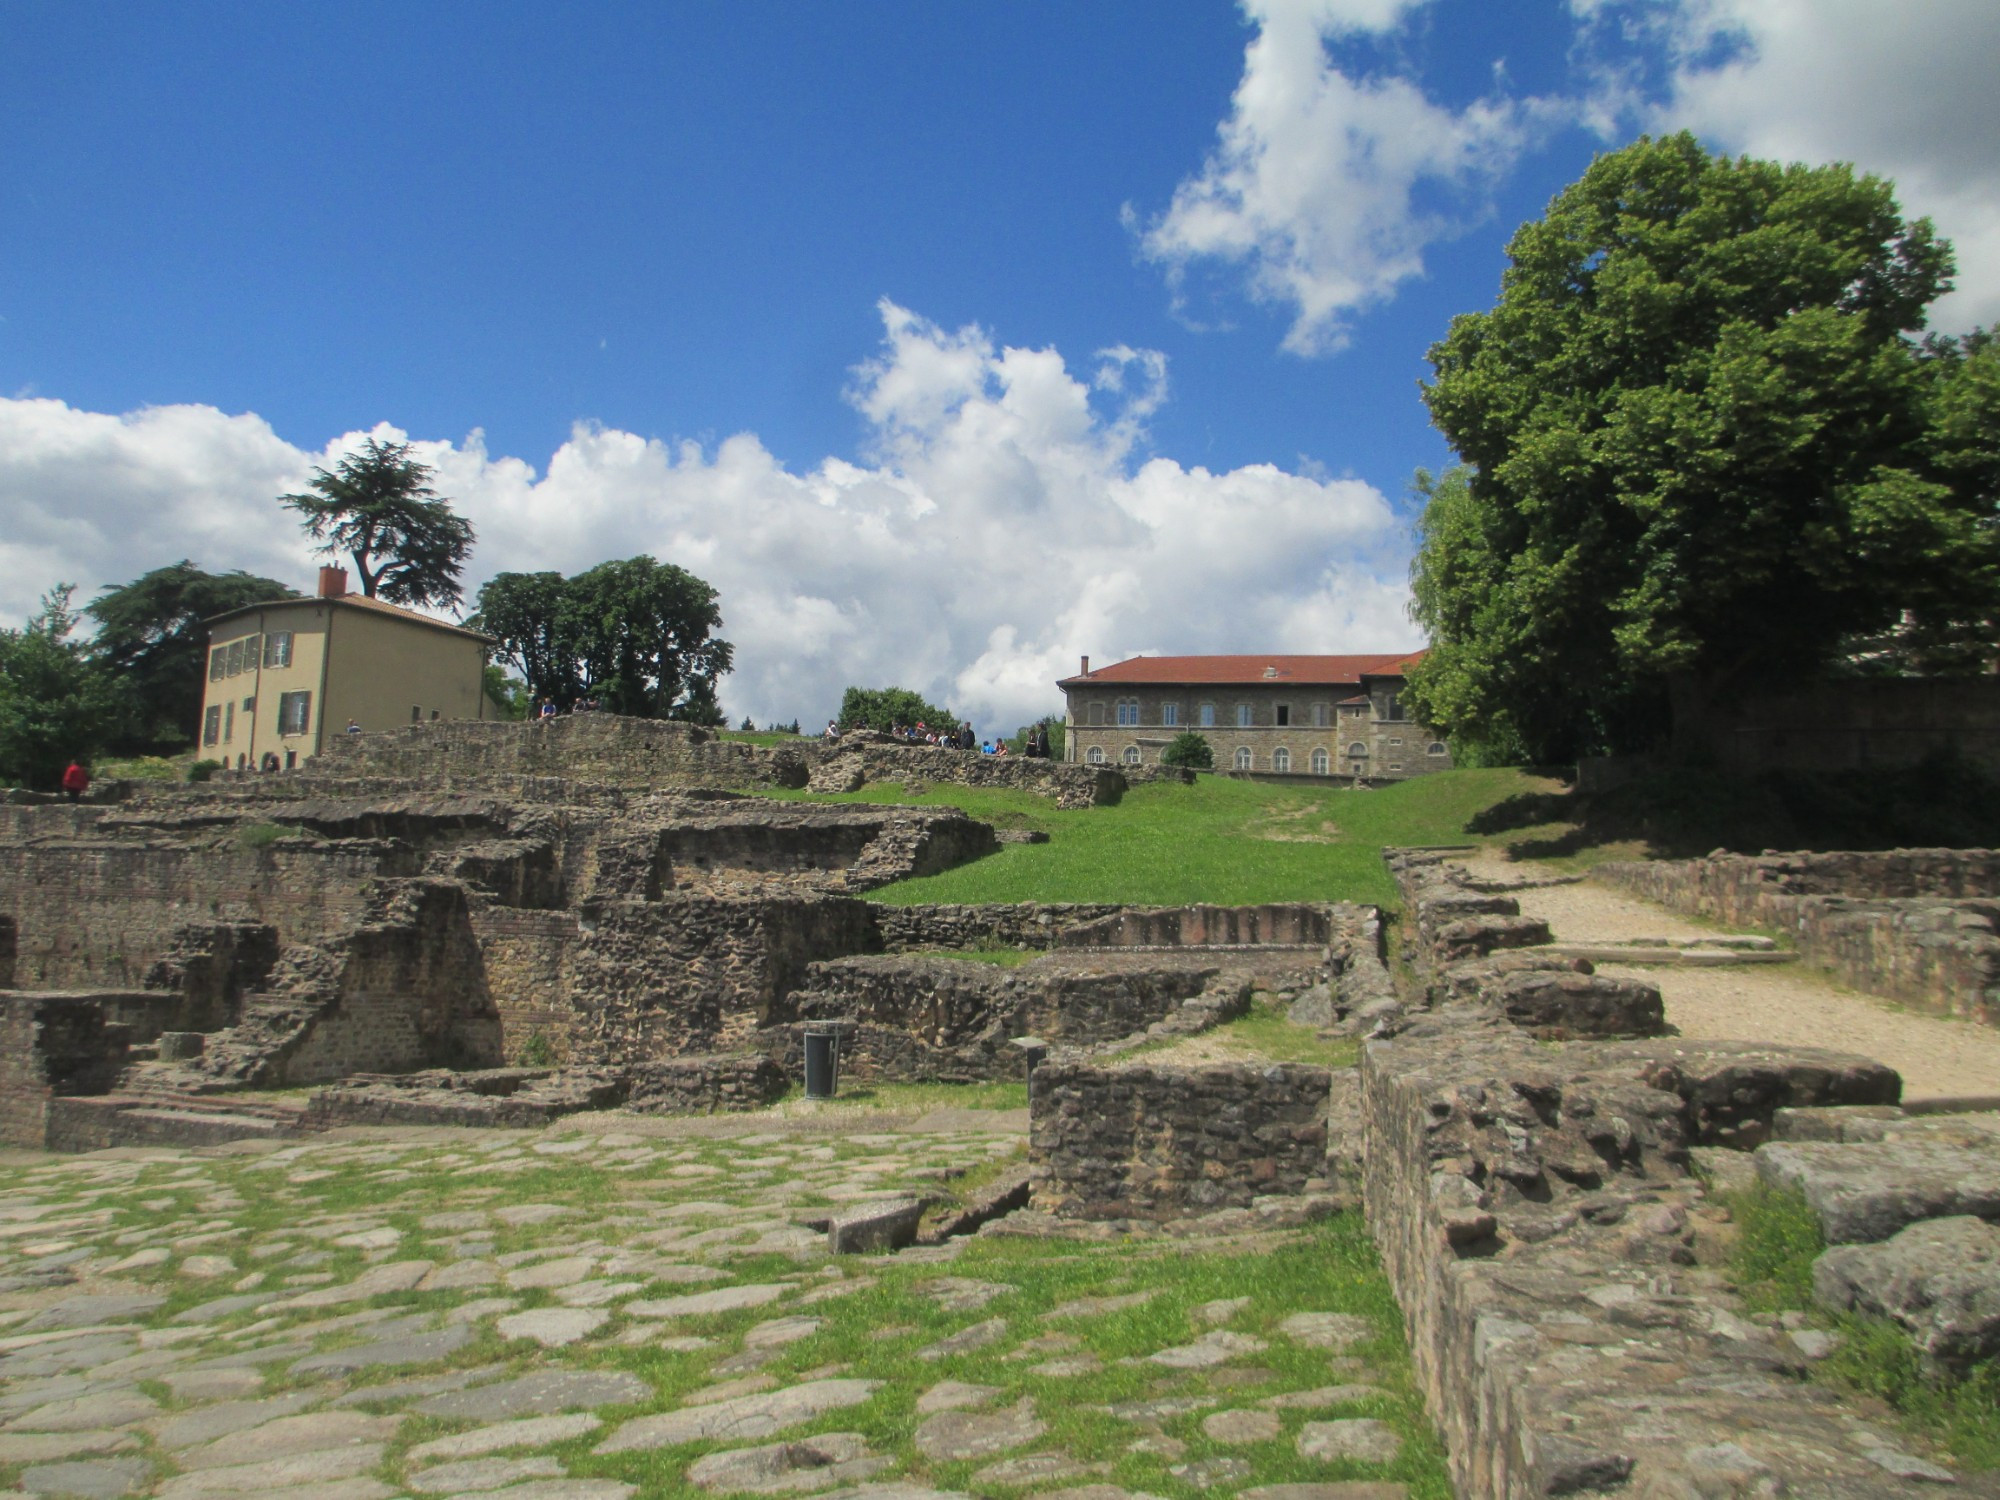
[378,508]
[636,634]
[1704,451]
[56,704]
[891,708]
[152,635]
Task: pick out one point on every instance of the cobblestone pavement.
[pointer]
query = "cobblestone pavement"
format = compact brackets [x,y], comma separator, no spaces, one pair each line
[623,1307]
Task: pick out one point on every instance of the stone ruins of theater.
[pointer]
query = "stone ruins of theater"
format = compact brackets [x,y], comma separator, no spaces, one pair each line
[491,924]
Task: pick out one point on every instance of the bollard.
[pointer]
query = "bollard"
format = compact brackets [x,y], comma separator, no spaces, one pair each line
[822,1062]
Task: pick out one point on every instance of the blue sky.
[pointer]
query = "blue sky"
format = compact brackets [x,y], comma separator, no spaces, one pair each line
[1000,334]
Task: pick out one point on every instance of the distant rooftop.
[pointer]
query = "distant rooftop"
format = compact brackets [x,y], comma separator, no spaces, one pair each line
[1224,671]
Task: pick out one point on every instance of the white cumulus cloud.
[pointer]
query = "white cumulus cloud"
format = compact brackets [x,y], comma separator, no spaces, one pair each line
[1904,90]
[1003,520]
[1324,185]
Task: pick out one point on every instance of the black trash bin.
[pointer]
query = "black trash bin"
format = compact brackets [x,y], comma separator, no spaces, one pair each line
[822,1062]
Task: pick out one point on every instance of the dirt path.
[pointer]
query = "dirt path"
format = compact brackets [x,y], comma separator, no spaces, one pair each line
[1791,1003]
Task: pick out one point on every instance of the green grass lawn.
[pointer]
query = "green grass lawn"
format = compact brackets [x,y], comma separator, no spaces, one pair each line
[1222,841]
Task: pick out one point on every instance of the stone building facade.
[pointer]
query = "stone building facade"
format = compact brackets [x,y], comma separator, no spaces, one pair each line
[1336,716]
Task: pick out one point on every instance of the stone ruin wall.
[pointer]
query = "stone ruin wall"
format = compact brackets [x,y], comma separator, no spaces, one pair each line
[1917,925]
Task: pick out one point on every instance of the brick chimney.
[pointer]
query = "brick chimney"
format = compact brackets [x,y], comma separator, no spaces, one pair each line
[333,583]
[1086,667]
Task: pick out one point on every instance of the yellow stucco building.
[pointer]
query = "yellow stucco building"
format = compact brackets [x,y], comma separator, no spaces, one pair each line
[283,676]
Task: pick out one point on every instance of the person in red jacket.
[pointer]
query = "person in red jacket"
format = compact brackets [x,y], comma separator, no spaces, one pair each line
[76,780]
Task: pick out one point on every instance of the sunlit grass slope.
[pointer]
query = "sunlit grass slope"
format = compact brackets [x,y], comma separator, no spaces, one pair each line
[1230,842]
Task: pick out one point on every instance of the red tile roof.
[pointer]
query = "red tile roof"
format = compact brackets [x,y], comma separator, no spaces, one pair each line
[1218,671]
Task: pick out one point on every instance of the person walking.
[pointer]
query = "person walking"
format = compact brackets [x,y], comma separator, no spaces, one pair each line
[76,781]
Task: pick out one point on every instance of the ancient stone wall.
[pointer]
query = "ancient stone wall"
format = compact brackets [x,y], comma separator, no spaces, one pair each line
[1025,924]
[1294,924]
[1917,925]
[51,1045]
[1138,1142]
[92,915]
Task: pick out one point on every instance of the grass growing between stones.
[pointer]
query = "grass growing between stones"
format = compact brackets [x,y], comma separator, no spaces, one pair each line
[1778,1240]
[603,1222]
[1221,841]
[1263,1033]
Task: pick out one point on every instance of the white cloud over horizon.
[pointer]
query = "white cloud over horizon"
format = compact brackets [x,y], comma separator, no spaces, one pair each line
[1003,521]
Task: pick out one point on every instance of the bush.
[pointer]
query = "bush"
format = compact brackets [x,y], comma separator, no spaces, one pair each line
[1189,750]
[201,770]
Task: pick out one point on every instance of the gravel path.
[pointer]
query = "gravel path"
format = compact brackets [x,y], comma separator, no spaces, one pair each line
[1791,1003]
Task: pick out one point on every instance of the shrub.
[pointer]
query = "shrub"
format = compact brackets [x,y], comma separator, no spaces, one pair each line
[1190,750]
[201,770]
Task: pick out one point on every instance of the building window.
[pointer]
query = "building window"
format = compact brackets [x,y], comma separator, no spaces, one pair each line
[278,649]
[416,714]
[1284,715]
[294,712]
[249,707]
[1281,759]
[232,662]
[1128,712]
[1131,756]
[1395,742]
[218,663]
[1097,713]
[1437,748]
[211,725]
[1322,763]
[1243,758]
[1357,748]
[1321,716]
[253,647]
[1244,716]
[1170,714]
[1395,765]
[1208,716]
[1392,706]
[1095,755]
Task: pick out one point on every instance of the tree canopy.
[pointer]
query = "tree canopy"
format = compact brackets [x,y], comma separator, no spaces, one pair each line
[378,508]
[636,635]
[889,708]
[152,635]
[1189,749]
[1704,451]
[56,704]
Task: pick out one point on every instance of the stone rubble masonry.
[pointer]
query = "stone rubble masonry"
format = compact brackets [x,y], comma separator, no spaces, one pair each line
[618,751]
[1917,925]
[1140,1142]
[51,1044]
[1536,1209]
[944,1019]
[1295,925]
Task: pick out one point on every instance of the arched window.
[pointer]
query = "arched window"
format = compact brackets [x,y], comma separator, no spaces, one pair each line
[1243,716]
[1128,711]
[1208,716]
[1131,755]
[1437,748]
[1357,748]
[1095,755]
[1097,713]
[1281,759]
[1243,758]
[1322,763]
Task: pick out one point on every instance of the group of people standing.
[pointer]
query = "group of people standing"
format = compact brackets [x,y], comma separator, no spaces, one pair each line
[1036,746]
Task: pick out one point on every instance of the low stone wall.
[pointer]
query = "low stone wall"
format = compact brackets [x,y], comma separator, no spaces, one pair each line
[704,1085]
[1139,1142]
[1917,925]
[51,1045]
[1536,1215]
[1026,924]
[516,1098]
[940,1019]
[1293,924]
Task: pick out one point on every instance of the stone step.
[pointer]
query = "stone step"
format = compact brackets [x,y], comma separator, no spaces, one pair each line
[1650,954]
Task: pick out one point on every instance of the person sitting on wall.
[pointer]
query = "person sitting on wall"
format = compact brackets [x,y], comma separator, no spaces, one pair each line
[269,763]
[76,780]
[548,709]
[832,732]
[354,726]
